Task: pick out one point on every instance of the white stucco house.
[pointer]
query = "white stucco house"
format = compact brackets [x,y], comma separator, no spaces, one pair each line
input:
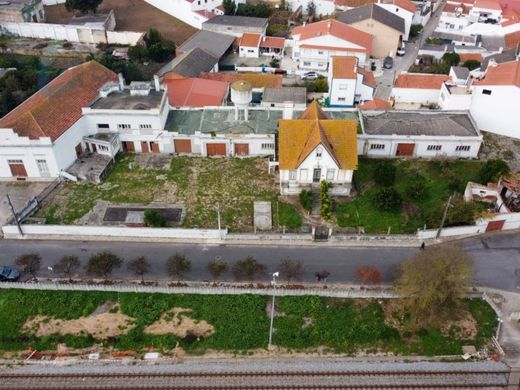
[402,8]
[417,88]
[315,44]
[348,83]
[314,148]
[192,12]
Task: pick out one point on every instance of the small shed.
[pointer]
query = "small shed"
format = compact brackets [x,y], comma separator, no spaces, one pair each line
[263,215]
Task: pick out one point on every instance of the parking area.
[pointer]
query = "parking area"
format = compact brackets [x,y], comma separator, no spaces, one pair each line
[20,193]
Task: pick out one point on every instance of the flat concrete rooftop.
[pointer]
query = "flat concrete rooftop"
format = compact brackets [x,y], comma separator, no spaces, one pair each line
[125,101]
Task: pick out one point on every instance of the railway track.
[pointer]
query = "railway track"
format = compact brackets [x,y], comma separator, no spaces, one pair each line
[258,379]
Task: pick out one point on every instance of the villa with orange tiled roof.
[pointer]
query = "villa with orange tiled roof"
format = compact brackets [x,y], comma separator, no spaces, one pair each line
[349,84]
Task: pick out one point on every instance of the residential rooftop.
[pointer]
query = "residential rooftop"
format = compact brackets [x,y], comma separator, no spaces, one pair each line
[234,20]
[372,11]
[461,72]
[190,63]
[285,94]
[419,123]
[124,100]
[211,42]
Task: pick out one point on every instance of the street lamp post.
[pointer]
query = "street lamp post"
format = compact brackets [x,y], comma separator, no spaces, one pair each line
[273,283]
[217,209]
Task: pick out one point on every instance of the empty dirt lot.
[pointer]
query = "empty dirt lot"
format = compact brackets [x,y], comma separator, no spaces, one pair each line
[132,15]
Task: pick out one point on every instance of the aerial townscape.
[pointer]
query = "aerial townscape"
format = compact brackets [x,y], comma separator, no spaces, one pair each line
[259,194]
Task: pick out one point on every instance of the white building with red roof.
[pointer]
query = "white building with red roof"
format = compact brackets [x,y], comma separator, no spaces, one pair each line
[417,88]
[349,84]
[255,45]
[402,8]
[316,43]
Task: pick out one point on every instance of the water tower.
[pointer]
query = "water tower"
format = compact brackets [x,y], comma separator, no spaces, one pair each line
[241,96]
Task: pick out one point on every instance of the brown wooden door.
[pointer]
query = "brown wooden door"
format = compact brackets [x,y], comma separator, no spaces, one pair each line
[405,149]
[130,147]
[17,168]
[155,147]
[241,149]
[494,226]
[216,149]
[182,145]
[144,147]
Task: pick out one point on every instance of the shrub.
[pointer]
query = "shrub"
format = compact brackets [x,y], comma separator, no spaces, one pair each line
[289,216]
[248,269]
[102,264]
[138,53]
[275,63]
[306,200]
[153,218]
[30,262]
[387,199]
[415,30]
[178,265]
[384,173]
[139,266]
[461,213]
[451,59]
[369,274]
[417,187]
[67,265]
[472,64]
[492,170]
[217,267]
[291,269]
[326,201]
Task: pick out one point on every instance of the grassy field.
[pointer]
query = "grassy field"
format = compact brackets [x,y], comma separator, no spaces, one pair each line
[442,179]
[231,323]
[199,183]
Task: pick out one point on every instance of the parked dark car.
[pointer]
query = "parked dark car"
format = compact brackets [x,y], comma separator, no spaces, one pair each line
[9,274]
[388,63]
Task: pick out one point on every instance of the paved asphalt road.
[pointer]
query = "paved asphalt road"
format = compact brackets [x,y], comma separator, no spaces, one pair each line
[497,256]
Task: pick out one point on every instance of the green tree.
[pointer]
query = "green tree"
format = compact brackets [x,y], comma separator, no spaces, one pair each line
[451,59]
[326,201]
[217,267]
[248,269]
[415,30]
[433,284]
[416,188]
[139,267]
[460,213]
[384,173]
[67,265]
[30,262]
[102,264]
[153,218]
[229,7]
[83,6]
[387,199]
[178,265]
[306,200]
[492,170]
[472,64]
[138,53]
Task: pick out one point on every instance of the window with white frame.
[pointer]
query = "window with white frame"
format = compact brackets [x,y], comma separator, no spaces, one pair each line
[145,126]
[377,146]
[268,146]
[330,173]
[292,175]
[434,147]
[43,167]
[303,174]
[123,126]
[463,148]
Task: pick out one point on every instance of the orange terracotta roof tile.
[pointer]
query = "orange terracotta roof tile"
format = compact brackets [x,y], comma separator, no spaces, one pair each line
[512,40]
[405,4]
[299,137]
[376,104]
[344,67]
[470,56]
[250,40]
[335,48]
[336,29]
[453,8]
[368,77]
[420,80]
[195,92]
[257,80]
[274,42]
[509,17]
[507,73]
[488,4]
[52,110]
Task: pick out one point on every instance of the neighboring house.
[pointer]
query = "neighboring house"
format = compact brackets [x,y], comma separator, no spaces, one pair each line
[20,11]
[495,99]
[281,97]
[418,88]
[315,43]
[258,81]
[192,12]
[218,45]
[386,28]
[376,104]
[323,7]
[44,134]
[255,45]
[459,75]
[402,8]
[419,134]
[196,92]
[314,148]
[348,83]
[236,25]
[190,64]
[499,58]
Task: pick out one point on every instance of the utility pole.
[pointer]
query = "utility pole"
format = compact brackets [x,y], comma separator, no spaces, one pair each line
[218,221]
[444,217]
[14,214]
[273,283]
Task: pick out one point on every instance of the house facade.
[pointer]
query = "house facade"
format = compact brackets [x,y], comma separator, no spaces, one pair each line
[418,88]
[314,148]
[404,9]
[316,43]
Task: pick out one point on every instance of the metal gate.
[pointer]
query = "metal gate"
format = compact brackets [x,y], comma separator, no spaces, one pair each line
[321,233]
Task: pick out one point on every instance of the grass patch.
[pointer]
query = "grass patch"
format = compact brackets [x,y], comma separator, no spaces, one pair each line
[442,179]
[240,322]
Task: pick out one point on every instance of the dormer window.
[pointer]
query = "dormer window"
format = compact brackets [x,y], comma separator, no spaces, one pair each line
[319,151]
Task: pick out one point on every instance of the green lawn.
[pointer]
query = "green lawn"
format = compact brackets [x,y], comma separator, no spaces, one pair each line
[442,179]
[240,323]
[199,183]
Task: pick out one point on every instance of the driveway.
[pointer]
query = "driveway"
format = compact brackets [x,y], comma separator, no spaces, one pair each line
[20,193]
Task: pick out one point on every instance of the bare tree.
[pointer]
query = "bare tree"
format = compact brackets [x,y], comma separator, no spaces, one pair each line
[321,276]
[177,265]
[248,269]
[102,264]
[291,269]
[67,265]
[369,274]
[217,267]
[30,262]
[139,266]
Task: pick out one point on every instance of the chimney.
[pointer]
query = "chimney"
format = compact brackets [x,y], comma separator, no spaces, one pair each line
[121,81]
[500,49]
[156,83]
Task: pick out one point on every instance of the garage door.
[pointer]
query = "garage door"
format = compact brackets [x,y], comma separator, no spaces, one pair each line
[216,149]
[182,145]
[17,168]
[155,147]
[128,146]
[144,147]
[405,149]
[241,149]
[494,226]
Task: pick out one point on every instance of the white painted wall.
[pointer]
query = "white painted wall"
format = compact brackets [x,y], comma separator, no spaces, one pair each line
[403,13]
[454,101]
[249,52]
[416,95]
[182,10]
[498,112]
[342,91]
